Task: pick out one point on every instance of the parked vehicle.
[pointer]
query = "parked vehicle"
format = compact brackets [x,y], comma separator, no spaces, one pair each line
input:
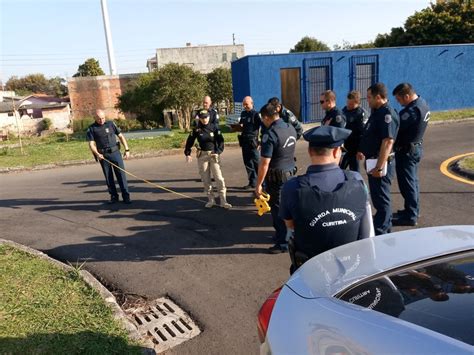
[409,292]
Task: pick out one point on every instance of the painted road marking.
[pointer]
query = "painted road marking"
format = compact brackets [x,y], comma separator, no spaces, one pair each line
[444,169]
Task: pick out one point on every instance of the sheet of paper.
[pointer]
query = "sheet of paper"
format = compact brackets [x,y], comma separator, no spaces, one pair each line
[372,163]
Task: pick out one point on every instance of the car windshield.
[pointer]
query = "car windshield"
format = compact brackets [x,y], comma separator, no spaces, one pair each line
[438,295]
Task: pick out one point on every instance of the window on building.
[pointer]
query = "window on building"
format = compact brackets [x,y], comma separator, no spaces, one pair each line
[10,114]
[234,56]
[224,57]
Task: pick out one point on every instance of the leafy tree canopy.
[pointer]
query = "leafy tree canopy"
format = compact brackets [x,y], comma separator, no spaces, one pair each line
[309,44]
[441,23]
[220,85]
[36,84]
[90,67]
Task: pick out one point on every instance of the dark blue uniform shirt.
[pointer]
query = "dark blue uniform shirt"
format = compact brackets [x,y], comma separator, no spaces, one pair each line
[209,138]
[336,118]
[103,135]
[278,143]
[355,121]
[413,122]
[383,123]
[250,122]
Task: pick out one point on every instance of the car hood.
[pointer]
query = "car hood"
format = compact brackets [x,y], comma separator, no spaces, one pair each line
[328,273]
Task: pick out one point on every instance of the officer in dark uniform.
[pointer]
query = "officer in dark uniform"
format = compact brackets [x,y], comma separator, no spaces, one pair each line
[213,114]
[250,124]
[276,166]
[101,136]
[408,151]
[376,144]
[327,206]
[356,118]
[334,117]
[287,116]
[211,145]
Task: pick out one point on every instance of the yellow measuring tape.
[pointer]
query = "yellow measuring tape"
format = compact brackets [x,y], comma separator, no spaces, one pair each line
[153,184]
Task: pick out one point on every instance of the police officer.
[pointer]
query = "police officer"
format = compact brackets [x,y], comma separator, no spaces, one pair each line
[377,143]
[408,151]
[248,140]
[211,145]
[327,206]
[101,136]
[356,118]
[213,114]
[276,166]
[334,117]
[287,116]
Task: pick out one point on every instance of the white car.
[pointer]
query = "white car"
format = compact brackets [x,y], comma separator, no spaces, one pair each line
[410,292]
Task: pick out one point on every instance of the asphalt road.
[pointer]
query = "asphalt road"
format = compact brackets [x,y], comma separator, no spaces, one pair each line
[211,262]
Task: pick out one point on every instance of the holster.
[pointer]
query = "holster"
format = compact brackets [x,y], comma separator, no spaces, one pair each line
[239,137]
[297,258]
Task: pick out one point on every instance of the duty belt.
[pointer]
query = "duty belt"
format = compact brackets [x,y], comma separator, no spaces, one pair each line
[108,150]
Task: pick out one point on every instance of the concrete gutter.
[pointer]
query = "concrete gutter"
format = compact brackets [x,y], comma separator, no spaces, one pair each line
[108,297]
[167,152]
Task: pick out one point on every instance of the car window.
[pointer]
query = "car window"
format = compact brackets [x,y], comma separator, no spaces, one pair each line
[438,295]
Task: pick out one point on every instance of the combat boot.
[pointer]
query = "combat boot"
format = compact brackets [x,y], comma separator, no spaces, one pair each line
[211,202]
[224,203]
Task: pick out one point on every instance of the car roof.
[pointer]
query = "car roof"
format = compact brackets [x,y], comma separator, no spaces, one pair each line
[330,272]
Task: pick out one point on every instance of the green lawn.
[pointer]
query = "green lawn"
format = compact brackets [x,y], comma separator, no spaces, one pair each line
[46,310]
[467,163]
[56,148]
[452,115]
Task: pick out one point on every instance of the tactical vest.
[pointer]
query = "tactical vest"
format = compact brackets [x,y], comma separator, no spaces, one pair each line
[283,156]
[326,220]
[104,135]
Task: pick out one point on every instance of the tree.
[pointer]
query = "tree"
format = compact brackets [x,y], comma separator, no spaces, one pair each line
[441,23]
[220,85]
[174,86]
[37,83]
[309,44]
[348,45]
[91,67]
[138,99]
[180,88]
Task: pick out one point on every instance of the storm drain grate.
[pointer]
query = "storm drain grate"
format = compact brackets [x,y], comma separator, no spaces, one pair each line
[164,323]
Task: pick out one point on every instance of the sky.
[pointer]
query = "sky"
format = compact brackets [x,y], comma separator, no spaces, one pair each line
[54,37]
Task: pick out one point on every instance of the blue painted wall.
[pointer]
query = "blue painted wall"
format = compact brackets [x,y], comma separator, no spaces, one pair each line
[443,75]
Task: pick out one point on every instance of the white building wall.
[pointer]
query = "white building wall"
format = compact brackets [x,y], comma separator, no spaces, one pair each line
[201,58]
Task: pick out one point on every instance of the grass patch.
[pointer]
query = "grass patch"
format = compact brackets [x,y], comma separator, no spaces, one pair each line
[60,148]
[452,115]
[46,310]
[467,163]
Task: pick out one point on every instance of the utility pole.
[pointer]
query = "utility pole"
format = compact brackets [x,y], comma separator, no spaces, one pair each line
[233,39]
[17,125]
[108,38]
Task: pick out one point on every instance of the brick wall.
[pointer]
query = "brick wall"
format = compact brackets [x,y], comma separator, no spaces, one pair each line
[87,94]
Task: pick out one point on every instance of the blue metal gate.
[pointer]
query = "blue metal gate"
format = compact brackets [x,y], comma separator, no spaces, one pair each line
[317,74]
[364,71]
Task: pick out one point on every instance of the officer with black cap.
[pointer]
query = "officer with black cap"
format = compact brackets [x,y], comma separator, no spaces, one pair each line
[334,117]
[211,145]
[213,114]
[287,116]
[276,166]
[408,151]
[327,206]
[376,147]
[101,136]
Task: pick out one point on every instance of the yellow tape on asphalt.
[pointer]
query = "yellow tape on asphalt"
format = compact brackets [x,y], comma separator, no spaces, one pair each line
[444,168]
[153,184]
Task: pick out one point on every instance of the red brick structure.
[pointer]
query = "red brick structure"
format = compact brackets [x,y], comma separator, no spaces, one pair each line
[87,94]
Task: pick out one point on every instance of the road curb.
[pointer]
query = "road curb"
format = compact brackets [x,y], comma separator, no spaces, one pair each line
[106,295]
[457,169]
